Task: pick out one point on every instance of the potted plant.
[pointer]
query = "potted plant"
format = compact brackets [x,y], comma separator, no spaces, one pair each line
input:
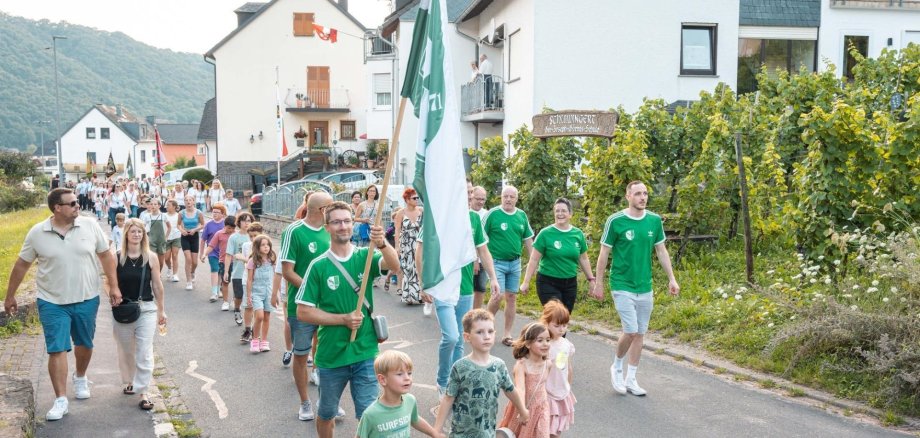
[299,97]
[353,161]
[300,135]
[371,154]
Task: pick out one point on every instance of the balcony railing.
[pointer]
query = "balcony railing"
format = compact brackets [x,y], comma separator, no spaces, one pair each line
[482,95]
[913,5]
[317,100]
[377,47]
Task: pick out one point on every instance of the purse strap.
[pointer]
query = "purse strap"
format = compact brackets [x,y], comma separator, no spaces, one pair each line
[140,287]
[351,281]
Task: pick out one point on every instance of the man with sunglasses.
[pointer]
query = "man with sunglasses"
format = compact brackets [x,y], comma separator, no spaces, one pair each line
[68,283]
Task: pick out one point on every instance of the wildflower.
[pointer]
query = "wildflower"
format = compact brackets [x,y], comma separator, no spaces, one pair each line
[792,317]
[738,296]
[875,282]
[894,290]
[903,300]
[724,295]
[853,307]
[847,296]
[855,287]
[821,257]
[813,281]
[827,280]
[770,325]
[797,276]
[872,289]
[885,300]
[860,258]
[742,289]
[799,256]
[837,262]
[770,272]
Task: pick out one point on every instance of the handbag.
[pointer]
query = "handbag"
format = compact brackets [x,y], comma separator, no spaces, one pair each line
[129,311]
[364,231]
[379,322]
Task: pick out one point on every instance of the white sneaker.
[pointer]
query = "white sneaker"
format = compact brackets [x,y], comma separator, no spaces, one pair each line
[168,272]
[340,414]
[225,306]
[188,286]
[426,309]
[616,379]
[314,377]
[213,298]
[58,410]
[306,411]
[174,279]
[633,387]
[81,387]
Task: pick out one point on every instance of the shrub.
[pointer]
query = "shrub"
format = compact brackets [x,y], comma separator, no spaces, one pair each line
[489,167]
[14,198]
[203,175]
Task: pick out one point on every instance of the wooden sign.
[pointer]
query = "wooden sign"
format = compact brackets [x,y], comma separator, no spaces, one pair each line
[575,124]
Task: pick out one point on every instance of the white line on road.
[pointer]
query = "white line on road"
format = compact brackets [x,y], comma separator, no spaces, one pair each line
[400,344]
[208,382]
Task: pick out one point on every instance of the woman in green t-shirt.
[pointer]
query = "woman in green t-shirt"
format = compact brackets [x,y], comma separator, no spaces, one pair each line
[560,249]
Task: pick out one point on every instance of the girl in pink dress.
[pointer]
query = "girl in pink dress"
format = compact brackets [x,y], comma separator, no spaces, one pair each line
[559,382]
[530,372]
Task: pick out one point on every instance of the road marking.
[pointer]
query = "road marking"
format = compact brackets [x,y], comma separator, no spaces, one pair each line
[208,382]
[400,344]
[422,385]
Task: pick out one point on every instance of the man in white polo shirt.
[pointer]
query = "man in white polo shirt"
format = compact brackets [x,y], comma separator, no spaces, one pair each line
[66,246]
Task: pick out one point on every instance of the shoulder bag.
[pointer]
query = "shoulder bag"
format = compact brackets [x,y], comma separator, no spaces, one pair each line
[379,321]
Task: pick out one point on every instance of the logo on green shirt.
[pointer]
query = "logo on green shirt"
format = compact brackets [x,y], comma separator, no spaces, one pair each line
[312,247]
[504,226]
[558,245]
[333,282]
[630,234]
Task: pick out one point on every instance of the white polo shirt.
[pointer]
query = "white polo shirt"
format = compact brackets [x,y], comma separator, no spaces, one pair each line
[68,267]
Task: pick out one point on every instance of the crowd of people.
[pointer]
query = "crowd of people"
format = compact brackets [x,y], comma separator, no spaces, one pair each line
[313,276]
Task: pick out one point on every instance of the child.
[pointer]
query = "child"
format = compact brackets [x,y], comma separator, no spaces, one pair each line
[173,236]
[155,225]
[236,265]
[559,381]
[218,213]
[261,268]
[98,207]
[217,251]
[115,241]
[530,373]
[395,410]
[472,389]
[253,231]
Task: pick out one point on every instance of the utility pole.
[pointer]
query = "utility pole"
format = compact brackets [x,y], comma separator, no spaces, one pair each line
[41,133]
[57,110]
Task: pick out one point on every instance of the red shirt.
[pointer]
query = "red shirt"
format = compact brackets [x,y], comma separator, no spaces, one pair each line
[219,242]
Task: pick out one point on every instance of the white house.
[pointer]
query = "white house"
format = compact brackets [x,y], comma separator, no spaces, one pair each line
[92,137]
[277,50]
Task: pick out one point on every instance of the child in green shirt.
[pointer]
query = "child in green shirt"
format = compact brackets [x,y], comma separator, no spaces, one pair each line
[395,410]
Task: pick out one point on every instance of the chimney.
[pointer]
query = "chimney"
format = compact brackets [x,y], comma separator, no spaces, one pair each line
[343,5]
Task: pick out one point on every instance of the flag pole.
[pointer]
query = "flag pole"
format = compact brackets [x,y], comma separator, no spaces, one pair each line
[381,198]
[277,82]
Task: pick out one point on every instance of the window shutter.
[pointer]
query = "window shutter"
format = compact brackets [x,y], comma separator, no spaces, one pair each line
[382,83]
[303,24]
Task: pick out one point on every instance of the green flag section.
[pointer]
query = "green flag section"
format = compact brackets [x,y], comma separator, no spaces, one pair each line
[447,239]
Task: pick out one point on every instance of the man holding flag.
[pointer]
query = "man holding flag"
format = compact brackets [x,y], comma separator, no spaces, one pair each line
[449,229]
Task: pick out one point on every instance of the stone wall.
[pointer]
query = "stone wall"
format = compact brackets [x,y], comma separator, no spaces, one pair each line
[274,225]
[17,407]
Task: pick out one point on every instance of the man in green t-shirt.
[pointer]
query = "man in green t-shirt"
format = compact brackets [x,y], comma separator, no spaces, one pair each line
[302,242]
[325,298]
[507,228]
[630,235]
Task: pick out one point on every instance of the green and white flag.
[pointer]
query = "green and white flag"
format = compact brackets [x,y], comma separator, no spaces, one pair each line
[447,239]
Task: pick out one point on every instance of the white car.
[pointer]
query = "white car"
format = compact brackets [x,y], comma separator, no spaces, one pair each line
[354,179]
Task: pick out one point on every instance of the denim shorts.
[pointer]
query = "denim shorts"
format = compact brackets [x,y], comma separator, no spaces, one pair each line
[360,378]
[301,335]
[634,309]
[508,274]
[214,263]
[61,323]
[262,301]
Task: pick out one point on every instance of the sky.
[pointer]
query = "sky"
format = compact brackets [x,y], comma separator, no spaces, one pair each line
[181,25]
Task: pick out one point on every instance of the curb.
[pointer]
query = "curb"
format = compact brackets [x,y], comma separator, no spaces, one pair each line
[168,408]
[726,368]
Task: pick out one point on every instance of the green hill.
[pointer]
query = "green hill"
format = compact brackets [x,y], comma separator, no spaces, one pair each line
[94,67]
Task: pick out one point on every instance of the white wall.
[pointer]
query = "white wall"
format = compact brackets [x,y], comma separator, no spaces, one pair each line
[75,145]
[380,119]
[878,24]
[246,78]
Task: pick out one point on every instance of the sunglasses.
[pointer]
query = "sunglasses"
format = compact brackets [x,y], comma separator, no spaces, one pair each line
[71,203]
[414,198]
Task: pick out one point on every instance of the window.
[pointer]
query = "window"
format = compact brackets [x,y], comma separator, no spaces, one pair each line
[347,129]
[698,50]
[201,150]
[785,55]
[104,133]
[303,24]
[514,72]
[858,42]
[91,133]
[382,91]
[143,156]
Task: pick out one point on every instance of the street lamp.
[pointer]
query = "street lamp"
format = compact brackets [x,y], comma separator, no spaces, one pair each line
[57,109]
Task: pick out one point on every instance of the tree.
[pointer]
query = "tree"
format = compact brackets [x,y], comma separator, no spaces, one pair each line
[200,174]
[15,167]
[489,166]
[181,163]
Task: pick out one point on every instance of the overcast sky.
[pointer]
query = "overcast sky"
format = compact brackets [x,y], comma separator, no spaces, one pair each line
[181,25]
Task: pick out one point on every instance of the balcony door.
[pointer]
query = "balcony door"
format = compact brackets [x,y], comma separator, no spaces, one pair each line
[319,133]
[318,86]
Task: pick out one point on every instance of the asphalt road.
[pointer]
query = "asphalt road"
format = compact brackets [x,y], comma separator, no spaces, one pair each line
[252,394]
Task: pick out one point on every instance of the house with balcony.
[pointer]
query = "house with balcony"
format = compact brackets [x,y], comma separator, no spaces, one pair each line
[285,50]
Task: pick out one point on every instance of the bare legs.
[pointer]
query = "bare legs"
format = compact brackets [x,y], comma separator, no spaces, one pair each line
[57,368]
[630,343]
[510,308]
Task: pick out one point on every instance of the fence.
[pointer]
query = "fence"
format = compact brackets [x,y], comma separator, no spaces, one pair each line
[482,95]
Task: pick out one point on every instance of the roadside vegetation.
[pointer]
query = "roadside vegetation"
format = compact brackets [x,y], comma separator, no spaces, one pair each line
[832,173]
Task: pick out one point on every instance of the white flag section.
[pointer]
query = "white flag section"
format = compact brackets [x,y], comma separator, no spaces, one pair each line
[447,238]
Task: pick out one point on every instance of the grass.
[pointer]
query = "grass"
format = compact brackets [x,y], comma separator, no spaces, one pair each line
[13,229]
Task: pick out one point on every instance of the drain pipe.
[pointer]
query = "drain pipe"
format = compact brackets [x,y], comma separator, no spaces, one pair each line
[216,140]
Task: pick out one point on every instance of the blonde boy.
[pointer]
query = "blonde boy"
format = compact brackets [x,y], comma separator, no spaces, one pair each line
[395,410]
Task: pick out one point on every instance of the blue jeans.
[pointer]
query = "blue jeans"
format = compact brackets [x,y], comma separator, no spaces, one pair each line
[450,318]
[508,274]
[360,378]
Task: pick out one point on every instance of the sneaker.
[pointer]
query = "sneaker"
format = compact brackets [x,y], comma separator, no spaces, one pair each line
[314,377]
[426,310]
[286,358]
[238,317]
[81,387]
[213,298]
[174,279]
[58,410]
[616,379]
[225,306]
[306,411]
[254,346]
[247,335]
[168,272]
[340,414]
[632,386]
[264,346]
[188,286]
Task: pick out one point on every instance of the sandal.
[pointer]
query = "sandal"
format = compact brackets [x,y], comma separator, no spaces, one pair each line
[129,390]
[145,405]
[506,341]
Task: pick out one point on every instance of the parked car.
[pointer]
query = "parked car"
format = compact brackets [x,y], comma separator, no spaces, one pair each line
[354,179]
[318,176]
[255,204]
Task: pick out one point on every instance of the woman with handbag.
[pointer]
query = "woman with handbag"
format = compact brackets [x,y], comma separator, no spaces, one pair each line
[142,308]
[364,215]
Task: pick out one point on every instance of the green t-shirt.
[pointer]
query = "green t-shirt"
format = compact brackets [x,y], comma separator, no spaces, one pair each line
[631,241]
[479,239]
[381,421]
[234,247]
[325,288]
[300,244]
[475,389]
[506,232]
[561,251]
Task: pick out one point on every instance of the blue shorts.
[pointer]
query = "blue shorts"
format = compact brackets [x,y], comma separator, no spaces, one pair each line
[508,274]
[61,323]
[360,378]
[635,310]
[301,335]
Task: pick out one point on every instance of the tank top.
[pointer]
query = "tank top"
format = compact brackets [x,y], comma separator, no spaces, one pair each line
[190,222]
[129,278]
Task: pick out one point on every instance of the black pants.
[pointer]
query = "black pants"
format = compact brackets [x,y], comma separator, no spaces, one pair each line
[563,289]
[487,79]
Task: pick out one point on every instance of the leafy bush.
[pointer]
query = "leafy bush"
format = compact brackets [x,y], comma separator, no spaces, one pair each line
[488,169]
[201,174]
